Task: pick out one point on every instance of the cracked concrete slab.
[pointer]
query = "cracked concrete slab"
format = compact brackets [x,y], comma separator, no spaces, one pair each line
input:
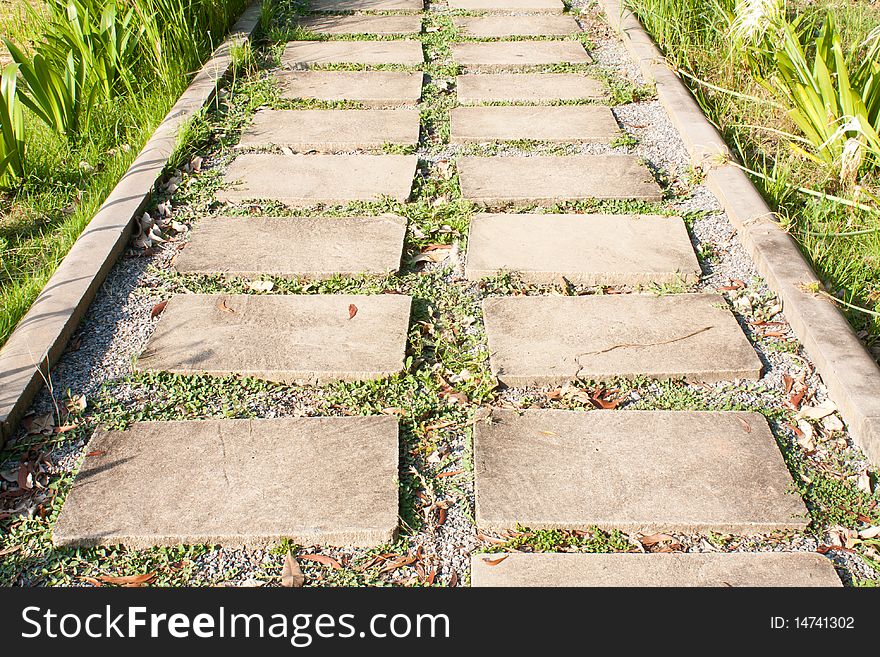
[551,340]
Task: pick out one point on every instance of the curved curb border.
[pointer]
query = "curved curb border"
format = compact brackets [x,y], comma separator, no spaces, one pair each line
[850,373]
[42,334]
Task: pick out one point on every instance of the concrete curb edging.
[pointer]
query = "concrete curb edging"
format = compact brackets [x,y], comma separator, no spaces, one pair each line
[42,334]
[848,370]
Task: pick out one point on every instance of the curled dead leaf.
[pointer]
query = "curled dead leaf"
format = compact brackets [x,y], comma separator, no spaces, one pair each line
[127,580]
[322,559]
[291,574]
[157,309]
[224,307]
[495,562]
[352,310]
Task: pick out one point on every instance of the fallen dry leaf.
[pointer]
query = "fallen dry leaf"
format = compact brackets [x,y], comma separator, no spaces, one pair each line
[157,309]
[654,539]
[321,559]
[352,310]
[495,562]
[222,305]
[127,580]
[453,579]
[450,474]
[291,575]
[97,452]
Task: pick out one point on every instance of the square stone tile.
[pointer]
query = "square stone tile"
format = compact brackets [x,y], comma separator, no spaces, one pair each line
[527,87]
[304,54]
[371,88]
[308,338]
[587,249]
[312,247]
[318,179]
[549,179]
[773,569]
[551,340]
[330,480]
[563,124]
[484,27]
[637,471]
[503,55]
[332,130]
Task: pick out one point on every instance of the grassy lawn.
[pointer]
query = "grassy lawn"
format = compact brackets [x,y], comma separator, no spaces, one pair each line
[841,241]
[68,178]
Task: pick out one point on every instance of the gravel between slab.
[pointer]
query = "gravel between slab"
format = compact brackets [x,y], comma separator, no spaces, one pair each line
[119,323]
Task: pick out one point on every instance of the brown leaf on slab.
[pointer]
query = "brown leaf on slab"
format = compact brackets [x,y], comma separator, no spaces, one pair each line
[745,425]
[127,580]
[224,307]
[495,562]
[157,309]
[352,310]
[97,452]
[321,559]
[291,575]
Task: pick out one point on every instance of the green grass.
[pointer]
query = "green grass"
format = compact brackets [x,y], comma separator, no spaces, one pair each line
[691,33]
[68,179]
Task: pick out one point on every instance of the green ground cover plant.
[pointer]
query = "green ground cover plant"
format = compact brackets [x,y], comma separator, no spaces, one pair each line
[794,87]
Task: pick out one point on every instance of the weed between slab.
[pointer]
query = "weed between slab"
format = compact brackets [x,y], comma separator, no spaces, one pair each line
[446,380]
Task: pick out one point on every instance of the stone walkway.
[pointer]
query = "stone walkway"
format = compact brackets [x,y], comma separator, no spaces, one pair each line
[335,480]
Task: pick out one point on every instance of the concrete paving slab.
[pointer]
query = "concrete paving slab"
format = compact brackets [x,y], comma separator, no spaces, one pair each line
[558,124]
[587,249]
[484,27]
[332,130]
[533,6]
[299,54]
[527,87]
[501,55]
[538,340]
[315,179]
[287,338]
[372,88]
[236,482]
[359,24]
[650,471]
[366,5]
[736,569]
[550,179]
[311,247]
